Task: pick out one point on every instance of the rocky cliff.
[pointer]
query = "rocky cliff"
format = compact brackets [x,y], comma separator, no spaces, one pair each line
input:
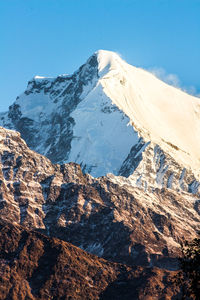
[114,221]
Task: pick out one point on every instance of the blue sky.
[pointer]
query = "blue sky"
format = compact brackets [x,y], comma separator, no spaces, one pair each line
[51,37]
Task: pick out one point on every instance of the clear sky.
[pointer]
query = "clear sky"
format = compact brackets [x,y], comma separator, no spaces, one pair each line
[52,37]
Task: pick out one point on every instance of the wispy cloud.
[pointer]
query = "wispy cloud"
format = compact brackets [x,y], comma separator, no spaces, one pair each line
[173,80]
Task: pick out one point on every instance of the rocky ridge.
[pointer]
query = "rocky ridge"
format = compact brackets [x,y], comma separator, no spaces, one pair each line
[156,169]
[117,222]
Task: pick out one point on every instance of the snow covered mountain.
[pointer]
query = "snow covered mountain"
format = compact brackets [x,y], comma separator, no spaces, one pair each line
[111,117]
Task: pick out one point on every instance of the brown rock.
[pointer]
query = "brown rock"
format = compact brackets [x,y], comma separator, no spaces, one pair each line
[33,266]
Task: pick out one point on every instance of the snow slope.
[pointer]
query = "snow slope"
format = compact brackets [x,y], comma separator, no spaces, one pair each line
[161,113]
[111,117]
[102,134]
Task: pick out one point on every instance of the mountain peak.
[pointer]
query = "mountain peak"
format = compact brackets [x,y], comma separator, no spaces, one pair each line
[107,54]
[83,118]
[107,60]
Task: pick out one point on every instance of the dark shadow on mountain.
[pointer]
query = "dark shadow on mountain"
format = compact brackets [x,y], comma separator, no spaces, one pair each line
[45,268]
[126,286]
[120,289]
[133,159]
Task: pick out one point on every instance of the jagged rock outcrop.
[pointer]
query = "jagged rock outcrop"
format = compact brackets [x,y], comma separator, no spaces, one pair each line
[118,222]
[149,167]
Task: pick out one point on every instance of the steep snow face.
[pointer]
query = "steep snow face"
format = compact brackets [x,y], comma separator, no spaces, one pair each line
[43,112]
[111,117]
[161,113]
[103,136]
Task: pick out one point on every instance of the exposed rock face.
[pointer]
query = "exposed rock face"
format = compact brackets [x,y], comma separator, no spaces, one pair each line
[115,221]
[33,266]
[149,167]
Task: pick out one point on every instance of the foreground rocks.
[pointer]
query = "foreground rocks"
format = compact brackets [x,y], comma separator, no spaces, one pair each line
[33,266]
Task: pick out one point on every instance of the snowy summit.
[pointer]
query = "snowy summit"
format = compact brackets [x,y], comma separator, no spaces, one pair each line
[111,117]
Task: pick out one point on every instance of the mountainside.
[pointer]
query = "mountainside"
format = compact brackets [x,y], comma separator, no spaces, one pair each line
[119,223]
[33,266]
[111,117]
